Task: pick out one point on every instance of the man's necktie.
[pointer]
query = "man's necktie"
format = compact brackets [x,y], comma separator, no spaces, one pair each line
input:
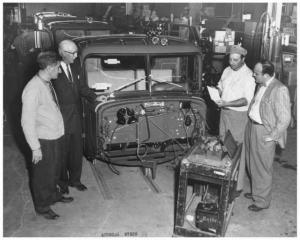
[69,73]
[53,93]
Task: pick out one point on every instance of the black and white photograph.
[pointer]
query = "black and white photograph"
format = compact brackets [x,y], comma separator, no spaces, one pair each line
[149,119]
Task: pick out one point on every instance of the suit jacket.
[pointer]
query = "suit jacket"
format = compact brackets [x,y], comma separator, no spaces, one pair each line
[275,111]
[69,96]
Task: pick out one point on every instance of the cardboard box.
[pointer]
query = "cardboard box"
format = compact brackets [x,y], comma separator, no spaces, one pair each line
[223,40]
[220,49]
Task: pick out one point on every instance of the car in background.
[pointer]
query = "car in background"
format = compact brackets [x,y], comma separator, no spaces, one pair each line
[149,108]
[53,27]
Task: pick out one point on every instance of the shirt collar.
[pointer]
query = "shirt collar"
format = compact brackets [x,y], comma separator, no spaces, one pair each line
[65,67]
[43,79]
[267,83]
[63,64]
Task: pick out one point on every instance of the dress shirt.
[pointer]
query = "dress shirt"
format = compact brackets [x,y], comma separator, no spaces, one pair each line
[237,84]
[67,70]
[52,90]
[254,111]
[41,117]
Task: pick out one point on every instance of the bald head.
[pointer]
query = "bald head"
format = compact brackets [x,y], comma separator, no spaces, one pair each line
[67,45]
[68,51]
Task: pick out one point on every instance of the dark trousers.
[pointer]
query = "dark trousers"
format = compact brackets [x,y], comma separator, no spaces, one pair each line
[45,174]
[72,165]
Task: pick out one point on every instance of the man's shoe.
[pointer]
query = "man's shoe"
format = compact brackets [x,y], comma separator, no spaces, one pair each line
[248,195]
[79,187]
[65,199]
[50,214]
[255,208]
[64,190]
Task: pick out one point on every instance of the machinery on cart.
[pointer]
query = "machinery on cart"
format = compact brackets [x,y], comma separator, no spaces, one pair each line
[206,184]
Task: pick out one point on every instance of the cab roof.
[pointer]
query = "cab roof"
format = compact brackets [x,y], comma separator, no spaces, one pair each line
[133,44]
[76,24]
[62,20]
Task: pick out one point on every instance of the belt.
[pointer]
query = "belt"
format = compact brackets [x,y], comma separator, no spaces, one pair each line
[254,122]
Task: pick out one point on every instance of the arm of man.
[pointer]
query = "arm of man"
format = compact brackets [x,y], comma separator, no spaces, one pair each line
[29,112]
[235,103]
[282,110]
[85,91]
[220,86]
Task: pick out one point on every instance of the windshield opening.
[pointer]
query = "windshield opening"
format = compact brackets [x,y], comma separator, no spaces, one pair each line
[173,72]
[128,73]
[113,72]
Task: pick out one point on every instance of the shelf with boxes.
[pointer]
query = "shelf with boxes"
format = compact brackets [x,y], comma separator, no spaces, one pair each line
[223,40]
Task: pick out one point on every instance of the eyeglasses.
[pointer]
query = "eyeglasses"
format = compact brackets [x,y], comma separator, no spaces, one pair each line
[72,53]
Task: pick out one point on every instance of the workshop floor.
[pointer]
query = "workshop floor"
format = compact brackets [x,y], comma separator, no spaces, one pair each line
[124,205]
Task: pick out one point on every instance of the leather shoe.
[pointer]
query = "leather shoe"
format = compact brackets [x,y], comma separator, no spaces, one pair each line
[248,195]
[50,214]
[65,199]
[64,190]
[79,187]
[255,208]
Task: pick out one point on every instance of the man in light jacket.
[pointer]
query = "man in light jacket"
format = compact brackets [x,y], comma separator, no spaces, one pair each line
[43,127]
[269,117]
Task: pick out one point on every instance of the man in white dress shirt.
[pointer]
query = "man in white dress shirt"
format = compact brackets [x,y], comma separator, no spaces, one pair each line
[236,88]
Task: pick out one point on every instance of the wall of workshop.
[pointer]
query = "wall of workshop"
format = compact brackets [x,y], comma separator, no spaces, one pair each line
[256,9]
[195,9]
[222,10]
[165,10]
[236,10]
[95,10]
[99,9]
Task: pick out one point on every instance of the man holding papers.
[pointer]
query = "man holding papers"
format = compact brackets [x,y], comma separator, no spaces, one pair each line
[236,88]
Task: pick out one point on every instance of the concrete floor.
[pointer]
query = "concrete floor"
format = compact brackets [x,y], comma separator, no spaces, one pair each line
[132,209]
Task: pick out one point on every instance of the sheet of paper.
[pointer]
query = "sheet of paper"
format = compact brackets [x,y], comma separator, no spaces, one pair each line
[214,94]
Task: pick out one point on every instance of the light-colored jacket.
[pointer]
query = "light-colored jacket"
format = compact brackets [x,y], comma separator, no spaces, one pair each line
[41,117]
[275,111]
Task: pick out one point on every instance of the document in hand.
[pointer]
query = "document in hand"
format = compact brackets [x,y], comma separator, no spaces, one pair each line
[214,94]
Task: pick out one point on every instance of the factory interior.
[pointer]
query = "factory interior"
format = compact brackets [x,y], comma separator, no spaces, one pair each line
[154,160]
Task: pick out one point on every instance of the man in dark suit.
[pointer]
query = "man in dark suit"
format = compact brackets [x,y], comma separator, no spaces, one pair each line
[269,117]
[70,88]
